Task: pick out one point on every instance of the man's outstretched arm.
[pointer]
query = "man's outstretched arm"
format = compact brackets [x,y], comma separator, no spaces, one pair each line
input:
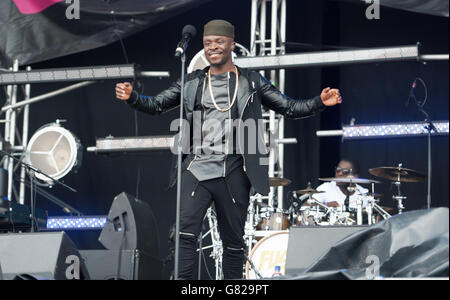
[272,98]
[160,103]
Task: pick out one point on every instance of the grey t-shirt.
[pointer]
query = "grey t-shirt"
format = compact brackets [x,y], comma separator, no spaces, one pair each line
[214,158]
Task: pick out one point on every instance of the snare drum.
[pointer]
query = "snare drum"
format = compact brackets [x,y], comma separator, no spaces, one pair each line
[273,219]
[269,252]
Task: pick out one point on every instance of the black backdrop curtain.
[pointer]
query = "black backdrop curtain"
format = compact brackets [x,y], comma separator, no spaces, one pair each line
[37,30]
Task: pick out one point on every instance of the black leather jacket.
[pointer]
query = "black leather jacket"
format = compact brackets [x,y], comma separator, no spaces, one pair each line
[254,91]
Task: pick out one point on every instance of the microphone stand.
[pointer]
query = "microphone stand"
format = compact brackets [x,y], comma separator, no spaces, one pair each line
[429,127]
[32,173]
[179,153]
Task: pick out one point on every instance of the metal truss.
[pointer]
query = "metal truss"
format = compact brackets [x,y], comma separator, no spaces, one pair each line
[268,37]
[15,137]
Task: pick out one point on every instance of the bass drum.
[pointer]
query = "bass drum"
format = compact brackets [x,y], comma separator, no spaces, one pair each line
[267,254]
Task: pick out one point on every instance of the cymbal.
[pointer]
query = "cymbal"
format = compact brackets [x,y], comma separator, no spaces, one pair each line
[350,180]
[399,174]
[308,191]
[276,181]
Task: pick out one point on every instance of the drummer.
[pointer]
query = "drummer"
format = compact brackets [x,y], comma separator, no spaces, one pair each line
[335,193]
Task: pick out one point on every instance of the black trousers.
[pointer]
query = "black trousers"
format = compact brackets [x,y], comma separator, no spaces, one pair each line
[231,199]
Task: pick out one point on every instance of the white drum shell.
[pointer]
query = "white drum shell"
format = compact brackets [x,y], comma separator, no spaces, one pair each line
[269,252]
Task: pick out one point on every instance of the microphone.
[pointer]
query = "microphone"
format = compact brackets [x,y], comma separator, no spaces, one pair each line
[411,91]
[188,33]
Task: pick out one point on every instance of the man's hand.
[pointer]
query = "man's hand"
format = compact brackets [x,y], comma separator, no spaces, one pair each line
[123,91]
[330,96]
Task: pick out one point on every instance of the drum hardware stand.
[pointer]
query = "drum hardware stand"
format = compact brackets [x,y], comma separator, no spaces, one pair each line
[250,225]
[381,211]
[295,206]
[351,188]
[399,198]
[217,248]
[249,237]
[359,211]
[371,206]
[369,211]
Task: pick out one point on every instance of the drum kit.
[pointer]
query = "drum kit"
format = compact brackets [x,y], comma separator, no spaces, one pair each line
[267,227]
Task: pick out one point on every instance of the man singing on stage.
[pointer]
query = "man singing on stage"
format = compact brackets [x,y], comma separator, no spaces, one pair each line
[221,94]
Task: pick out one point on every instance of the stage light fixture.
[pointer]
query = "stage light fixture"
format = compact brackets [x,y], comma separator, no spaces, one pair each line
[113,144]
[76,223]
[393,130]
[69,74]
[386,130]
[329,58]
[53,150]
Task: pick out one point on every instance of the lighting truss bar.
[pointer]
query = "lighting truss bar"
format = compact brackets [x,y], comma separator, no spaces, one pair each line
[329,58]
[68,74]
[387,130]
[76,223]
[76,74]
[154,74]
[120,144]
[146,143]
[430,57]
[327,133]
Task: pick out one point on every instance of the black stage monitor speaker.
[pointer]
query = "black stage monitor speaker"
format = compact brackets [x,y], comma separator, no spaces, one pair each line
[308,243]
[49,255]
[131,225]
[134,265]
